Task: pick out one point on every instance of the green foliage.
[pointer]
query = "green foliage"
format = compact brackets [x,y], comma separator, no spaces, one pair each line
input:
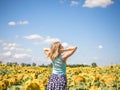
[94,64]
[16,87]
[4,71]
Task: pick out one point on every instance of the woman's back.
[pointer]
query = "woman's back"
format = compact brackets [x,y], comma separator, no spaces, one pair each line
[59,67]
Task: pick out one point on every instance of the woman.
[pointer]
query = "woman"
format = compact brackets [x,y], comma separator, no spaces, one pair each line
[58,79]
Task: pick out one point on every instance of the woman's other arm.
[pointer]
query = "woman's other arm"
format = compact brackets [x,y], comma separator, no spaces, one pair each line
[70,52]
[46,51]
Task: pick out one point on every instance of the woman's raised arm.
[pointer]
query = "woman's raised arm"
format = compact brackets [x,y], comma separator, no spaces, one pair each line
[70,52]
[46,51]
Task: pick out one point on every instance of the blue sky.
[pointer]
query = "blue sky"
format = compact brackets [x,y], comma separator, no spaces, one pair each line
[27,26]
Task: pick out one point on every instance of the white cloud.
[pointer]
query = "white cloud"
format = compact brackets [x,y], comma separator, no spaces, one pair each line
[12,44]
[64,44]
[23,22]
[44,40]
[34,36]
[6,53]
[74,3]
[12,23]
[7,46]
[23,55]
[28,50]
[97,3]
[41,40]
[100,46]
[23,50]
[16,49]
[50,40]
[12,52]
[4,43]
[47,40]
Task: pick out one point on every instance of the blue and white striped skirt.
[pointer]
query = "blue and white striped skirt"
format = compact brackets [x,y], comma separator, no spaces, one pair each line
[57,82]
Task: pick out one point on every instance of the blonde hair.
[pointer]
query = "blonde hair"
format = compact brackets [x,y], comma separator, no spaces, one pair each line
[54,50]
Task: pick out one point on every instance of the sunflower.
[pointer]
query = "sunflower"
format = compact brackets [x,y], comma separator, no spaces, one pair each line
[34,85]
[78,79]
[2,85]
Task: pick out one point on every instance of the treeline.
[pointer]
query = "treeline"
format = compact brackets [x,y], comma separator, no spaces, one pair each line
[49,65]
[77,65]
[22,64]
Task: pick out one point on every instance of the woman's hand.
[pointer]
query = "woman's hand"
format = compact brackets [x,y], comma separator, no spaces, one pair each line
[68,49]
[46,49]
[72,48]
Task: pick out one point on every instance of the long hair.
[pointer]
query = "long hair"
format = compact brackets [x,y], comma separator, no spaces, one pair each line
[54,50]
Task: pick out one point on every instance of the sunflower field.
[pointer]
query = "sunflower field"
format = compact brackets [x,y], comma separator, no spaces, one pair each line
[18,77]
